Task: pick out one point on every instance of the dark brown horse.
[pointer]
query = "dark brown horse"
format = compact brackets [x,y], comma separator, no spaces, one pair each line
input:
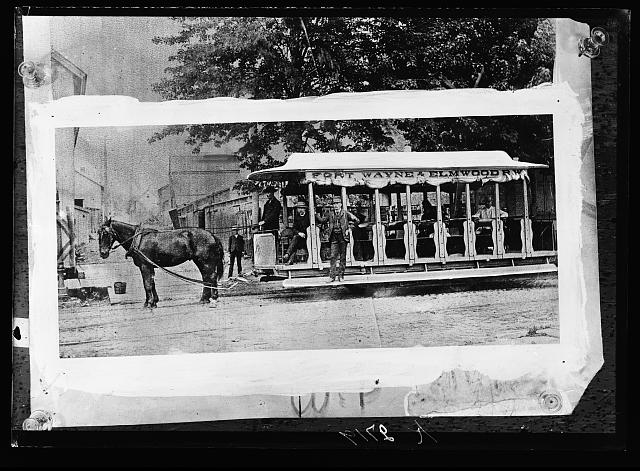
[166,249]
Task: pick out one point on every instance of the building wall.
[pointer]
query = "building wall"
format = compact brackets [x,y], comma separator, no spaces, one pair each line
[221,211]
[82,225]
[63,86]
[69,80]
[193,180]
[164,198]
[194,177]
[164,204]
[89,177]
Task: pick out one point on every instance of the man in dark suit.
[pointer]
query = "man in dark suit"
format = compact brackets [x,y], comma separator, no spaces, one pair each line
[271,212]
[236,250]
[301,222]
[339,237]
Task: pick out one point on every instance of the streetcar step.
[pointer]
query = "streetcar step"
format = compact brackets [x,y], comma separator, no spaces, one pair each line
[311,282]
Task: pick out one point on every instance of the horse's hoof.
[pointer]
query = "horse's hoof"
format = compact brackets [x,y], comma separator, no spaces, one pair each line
[204,301]
[214,303]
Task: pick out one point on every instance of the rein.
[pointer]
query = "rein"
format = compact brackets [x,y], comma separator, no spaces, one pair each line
[182,277]
[135,250]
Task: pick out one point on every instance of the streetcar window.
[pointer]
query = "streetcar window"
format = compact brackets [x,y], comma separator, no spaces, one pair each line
[424,215]
[361,204]
[393,214]
[512,199]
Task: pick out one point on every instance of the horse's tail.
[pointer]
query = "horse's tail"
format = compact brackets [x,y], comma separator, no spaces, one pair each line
[220,261]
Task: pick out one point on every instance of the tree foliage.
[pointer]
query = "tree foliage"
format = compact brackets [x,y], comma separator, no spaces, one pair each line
[294,57]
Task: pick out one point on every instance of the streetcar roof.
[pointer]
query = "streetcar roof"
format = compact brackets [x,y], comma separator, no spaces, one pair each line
[415,161]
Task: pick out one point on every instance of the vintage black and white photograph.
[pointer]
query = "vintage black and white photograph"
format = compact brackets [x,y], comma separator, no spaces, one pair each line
[304,235]
[366,216]
[240,217]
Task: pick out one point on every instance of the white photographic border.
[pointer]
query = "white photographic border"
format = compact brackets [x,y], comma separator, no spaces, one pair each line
[215,386]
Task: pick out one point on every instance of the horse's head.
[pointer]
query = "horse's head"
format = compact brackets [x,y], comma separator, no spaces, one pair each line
[106,238]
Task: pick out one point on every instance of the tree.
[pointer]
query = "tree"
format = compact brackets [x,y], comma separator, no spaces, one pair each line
[295,57]
[428,53]
[499,53]
[263,58]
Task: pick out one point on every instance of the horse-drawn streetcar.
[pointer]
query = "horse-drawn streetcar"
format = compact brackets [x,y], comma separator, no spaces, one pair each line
[422,215]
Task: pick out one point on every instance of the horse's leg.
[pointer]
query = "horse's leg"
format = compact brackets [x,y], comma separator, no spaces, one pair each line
[147,281]
[155,294]
[207,270]
[153,288]
[213,279]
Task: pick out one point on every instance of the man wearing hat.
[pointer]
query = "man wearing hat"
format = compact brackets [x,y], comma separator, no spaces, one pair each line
[236,250]
[271,212]
[300,224]
[338,228]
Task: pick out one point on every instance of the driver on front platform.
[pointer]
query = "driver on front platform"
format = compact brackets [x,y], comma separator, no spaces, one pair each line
[271,213]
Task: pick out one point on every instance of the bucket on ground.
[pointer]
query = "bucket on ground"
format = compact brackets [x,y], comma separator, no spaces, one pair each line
[119,287]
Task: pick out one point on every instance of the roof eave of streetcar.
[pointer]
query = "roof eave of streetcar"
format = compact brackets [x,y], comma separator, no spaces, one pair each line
[419,161]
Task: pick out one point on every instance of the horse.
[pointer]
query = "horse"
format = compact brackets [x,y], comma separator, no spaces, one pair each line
[166,249]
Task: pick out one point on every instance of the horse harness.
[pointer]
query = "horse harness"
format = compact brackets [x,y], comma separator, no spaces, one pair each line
[136,240]
[134,250]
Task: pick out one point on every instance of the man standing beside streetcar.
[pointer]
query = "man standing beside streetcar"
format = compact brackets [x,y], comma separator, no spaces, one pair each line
[236,250]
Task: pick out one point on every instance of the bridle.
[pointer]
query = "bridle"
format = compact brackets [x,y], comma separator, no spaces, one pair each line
[104,230]
[115,236]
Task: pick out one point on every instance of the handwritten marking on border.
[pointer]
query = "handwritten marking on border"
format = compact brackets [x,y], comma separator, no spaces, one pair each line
[371,430]
[421,430]
[383,430]
[347,434]
[373,427]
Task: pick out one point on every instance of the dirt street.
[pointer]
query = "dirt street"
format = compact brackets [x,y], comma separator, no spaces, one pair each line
[256,315]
